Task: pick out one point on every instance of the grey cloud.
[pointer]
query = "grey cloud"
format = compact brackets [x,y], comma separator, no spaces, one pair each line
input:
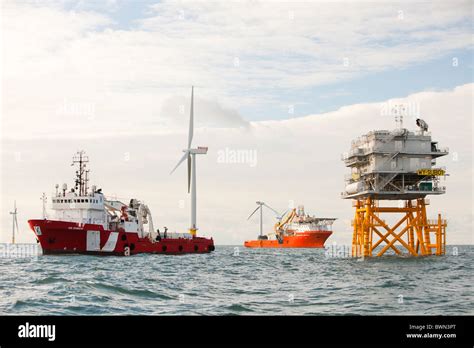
[175,110]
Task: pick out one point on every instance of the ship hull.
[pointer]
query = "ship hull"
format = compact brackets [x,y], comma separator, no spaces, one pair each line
[312,239]
[61,237]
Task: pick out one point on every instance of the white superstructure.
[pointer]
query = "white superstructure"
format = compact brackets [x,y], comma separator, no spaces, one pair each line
[397,164]
[89,206]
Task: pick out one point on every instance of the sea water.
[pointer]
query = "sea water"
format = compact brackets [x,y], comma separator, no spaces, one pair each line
[234,280]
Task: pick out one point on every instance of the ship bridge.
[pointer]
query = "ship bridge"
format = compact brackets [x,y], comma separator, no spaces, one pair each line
[85,205]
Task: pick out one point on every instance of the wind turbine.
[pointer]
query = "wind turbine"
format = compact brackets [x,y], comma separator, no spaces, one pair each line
[190,155]
[14,222]
[260,206]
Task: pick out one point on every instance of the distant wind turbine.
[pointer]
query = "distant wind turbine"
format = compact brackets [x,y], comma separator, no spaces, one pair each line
[14,222]
[260,206]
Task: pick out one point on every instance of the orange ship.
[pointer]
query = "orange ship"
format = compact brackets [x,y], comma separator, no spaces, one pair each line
[295,230]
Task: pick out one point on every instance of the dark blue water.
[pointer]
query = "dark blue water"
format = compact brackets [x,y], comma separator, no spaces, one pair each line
[238,281]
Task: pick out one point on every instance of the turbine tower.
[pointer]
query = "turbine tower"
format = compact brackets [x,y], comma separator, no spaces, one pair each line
[190,154]
[260,206]
[14,222]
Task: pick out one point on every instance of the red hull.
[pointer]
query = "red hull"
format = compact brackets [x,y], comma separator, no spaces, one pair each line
[61,237]
[301,240]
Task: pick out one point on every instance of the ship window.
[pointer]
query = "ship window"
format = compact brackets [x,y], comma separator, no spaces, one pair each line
[82,201]
[86,200]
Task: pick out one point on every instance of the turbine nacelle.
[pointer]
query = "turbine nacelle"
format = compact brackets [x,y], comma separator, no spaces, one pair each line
[200,150]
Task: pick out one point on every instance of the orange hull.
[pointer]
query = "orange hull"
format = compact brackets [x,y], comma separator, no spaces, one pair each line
[301,240]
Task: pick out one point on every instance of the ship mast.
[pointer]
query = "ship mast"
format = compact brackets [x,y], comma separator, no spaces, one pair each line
[82,174]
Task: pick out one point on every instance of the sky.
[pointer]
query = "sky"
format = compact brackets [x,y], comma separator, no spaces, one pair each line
[286,85]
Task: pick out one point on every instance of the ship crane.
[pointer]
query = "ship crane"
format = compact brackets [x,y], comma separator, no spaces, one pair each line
[280,225]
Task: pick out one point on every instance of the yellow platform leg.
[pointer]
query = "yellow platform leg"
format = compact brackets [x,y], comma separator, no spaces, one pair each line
[411,233]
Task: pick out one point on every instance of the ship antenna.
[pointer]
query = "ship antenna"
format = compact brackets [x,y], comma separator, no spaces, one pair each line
[81,174]
[86,181]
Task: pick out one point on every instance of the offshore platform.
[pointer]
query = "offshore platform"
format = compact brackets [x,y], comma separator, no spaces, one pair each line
[398,169]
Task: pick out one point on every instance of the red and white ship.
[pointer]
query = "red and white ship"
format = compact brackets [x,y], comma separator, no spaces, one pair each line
[86,222]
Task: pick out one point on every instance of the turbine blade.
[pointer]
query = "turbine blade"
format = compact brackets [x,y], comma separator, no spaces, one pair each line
[189,172]
[16,223]
[191,119]
[180,161]
[282,215]
[253,213]
[278,214]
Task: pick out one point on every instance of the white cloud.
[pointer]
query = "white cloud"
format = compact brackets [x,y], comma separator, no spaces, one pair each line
[239,54]
[297,159]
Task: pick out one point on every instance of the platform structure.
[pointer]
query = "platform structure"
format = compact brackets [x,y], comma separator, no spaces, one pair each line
[392,173]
